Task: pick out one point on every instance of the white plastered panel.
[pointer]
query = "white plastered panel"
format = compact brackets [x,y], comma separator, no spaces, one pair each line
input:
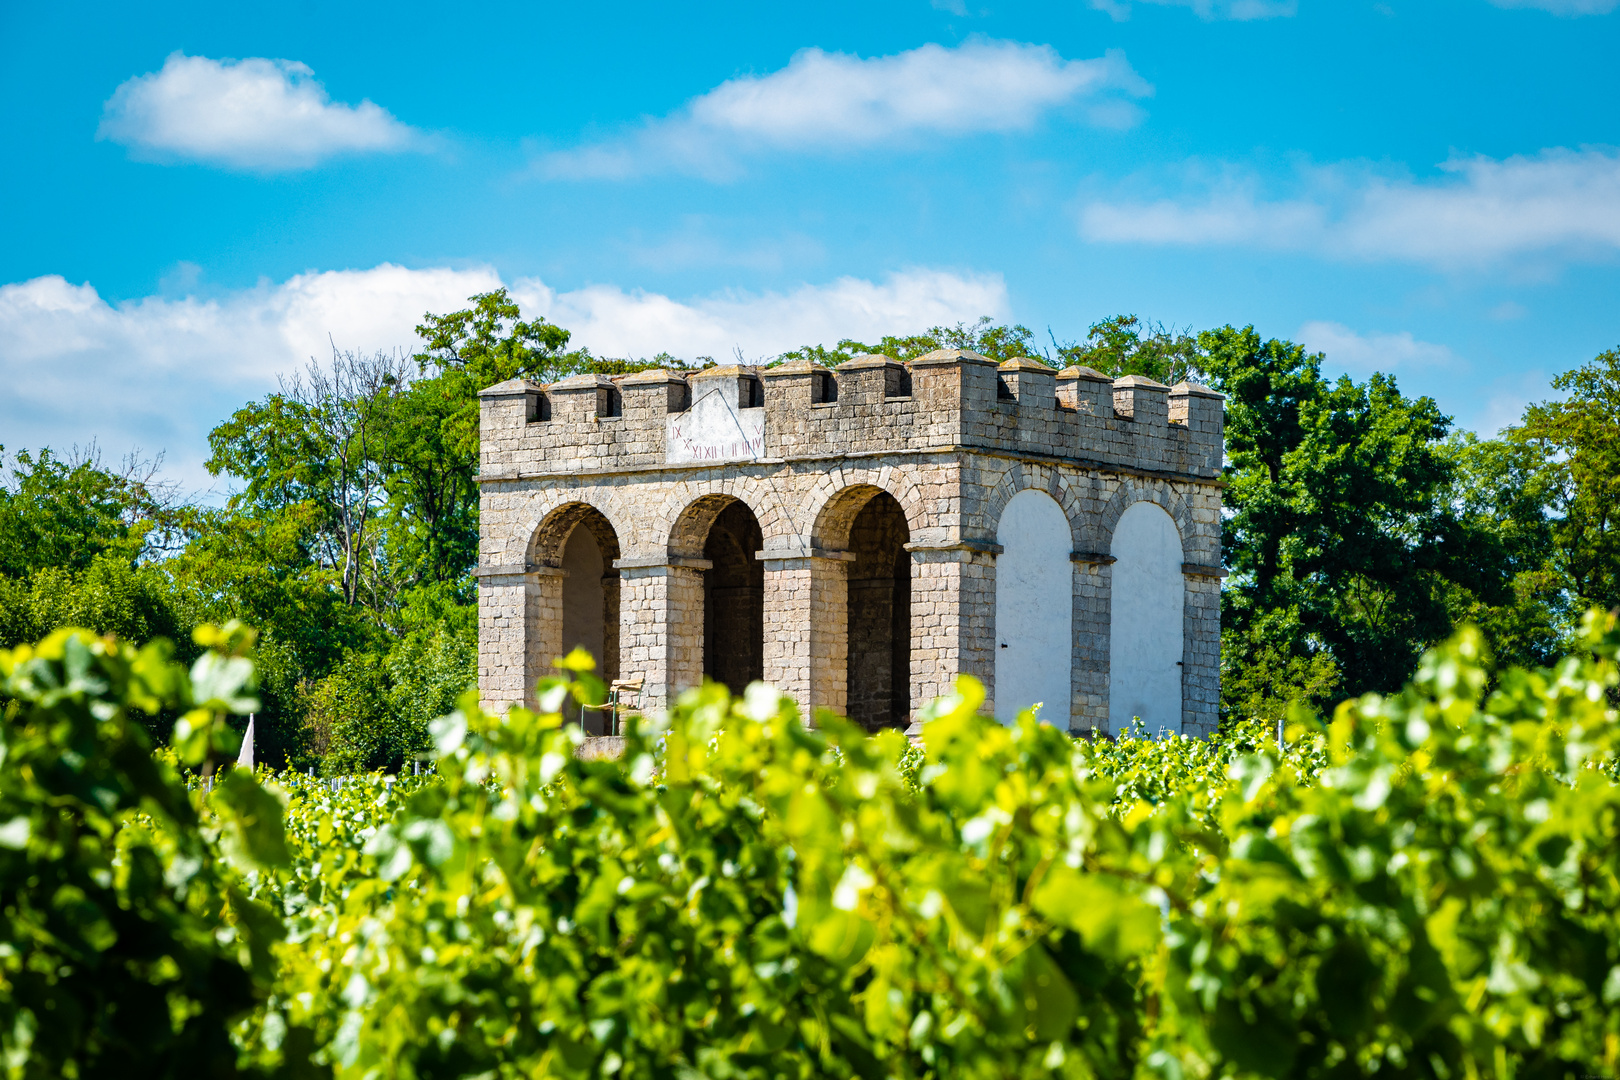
[1145,639]
[1034,609]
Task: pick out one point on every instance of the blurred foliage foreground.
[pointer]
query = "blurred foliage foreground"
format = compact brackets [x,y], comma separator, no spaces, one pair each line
[1426,885]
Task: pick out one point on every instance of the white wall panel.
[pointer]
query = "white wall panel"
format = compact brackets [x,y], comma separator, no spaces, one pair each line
[1034,609]
[1145,641]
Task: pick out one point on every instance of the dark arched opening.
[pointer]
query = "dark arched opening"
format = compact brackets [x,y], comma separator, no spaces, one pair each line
[583,600]
[880,615]
[734,599]
[591,598]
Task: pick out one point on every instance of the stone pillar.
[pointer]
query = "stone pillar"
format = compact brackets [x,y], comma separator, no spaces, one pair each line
[519,632]
[661,626]
[1201,650]
[807,628]
[1093,592]
[953,615]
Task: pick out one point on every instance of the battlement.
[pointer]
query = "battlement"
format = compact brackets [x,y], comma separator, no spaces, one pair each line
[947,399]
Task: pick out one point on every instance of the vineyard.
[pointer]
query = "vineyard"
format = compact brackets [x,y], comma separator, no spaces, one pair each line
[1423,884]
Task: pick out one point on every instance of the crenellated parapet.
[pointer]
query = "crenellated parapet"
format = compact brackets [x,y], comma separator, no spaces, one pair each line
[946,400]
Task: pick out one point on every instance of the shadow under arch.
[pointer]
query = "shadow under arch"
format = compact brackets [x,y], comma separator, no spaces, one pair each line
[721,536]
[574,549]
[867,526]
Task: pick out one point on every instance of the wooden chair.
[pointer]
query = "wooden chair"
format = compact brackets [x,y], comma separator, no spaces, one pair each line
[624,697]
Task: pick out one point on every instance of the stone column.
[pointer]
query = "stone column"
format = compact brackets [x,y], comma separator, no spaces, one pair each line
[661,626]
[953,615]
[1201,649]
[807,628]
[1093,592]
[519,632]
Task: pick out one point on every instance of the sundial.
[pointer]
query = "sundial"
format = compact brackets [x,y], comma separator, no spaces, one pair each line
[715,429]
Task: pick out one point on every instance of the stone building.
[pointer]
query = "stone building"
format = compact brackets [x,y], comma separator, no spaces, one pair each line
[860,536]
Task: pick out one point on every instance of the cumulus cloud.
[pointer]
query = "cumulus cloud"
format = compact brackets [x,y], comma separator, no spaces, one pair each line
[255,114]
[1208,10]
[836,101]
[1566,8]
[1361,354]
[1481,211]
[158,374]
[616,322]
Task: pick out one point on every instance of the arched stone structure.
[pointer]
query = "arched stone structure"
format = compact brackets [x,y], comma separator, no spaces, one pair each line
[951,439]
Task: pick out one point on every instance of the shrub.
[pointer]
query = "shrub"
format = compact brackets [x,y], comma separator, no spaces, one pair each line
[1426,885]
[126,945]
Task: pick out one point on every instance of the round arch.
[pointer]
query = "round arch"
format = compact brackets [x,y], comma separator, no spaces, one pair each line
[840,495]
[1129,494]
[867,527]
[549,537]
[720,536]
[577,546]
[1026,476]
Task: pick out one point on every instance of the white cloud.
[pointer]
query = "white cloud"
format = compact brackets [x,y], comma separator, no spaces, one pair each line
[1242,10]
[1482,211]
[1566,8]
[835,101]
[158,374]
[258,114]
[614,322]
[1361,355]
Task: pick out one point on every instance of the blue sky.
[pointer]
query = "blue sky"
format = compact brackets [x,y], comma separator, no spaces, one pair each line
[200,197]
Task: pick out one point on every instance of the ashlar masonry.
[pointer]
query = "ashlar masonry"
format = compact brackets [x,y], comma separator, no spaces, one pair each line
[860,537]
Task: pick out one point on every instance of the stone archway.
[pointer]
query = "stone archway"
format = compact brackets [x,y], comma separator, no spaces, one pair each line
[567,593]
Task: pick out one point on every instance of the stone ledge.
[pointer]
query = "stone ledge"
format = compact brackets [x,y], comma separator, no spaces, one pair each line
[1089,464]
[600,748]
[804,556]
[519,570]
[659,561]
[984,546]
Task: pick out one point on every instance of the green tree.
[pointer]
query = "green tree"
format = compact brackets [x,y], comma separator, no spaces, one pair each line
[1579,440]
[321,440]
[1125,345]
[66,513]
[1502,492]
[997,341]
[1338,536]
[491,343]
